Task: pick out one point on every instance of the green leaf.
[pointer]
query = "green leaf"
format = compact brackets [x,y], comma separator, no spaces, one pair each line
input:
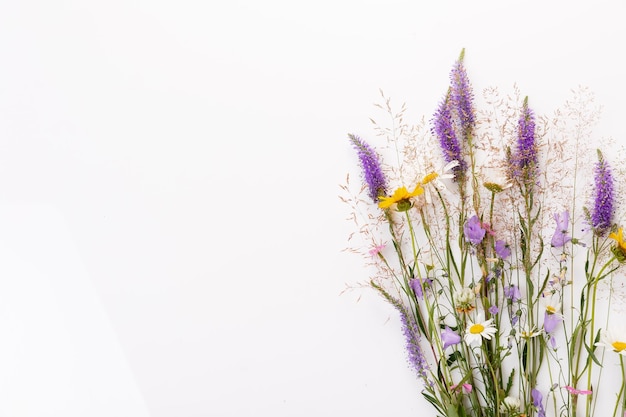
[591,351]
[454,357]
[509,383]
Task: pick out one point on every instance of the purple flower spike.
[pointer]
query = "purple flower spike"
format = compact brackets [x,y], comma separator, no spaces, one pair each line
[412,335]
[602,214]
[462,96]
[551,321]
[502,249]
[371,168]
[474,233]
[523,163]
[443,128]
[560,237]
[454,119]
[449,337]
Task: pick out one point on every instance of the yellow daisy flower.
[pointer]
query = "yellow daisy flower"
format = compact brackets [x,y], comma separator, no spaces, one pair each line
[619,238]
[401,197]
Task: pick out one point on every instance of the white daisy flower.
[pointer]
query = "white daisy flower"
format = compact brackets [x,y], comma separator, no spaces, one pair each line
[495,180]
[436,177]
[477,331]
[614,339]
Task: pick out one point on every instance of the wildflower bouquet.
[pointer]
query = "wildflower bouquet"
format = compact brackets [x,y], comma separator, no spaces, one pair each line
[498,265]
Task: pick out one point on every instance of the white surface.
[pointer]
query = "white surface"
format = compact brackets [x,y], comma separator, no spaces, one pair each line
[169,173]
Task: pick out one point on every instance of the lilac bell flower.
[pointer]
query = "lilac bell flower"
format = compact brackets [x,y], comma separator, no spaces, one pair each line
[513,293]
[449,337]
[538,402]
[551,321]
[502,249]
[552,342]
[474,233]
[560,237]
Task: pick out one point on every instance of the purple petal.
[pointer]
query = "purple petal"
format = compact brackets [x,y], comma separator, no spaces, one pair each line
[502,249]
[551,322]
[560,236]
[416,286]
[474,233]
[449,337]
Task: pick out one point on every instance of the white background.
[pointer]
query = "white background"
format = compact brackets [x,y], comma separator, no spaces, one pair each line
[170,231]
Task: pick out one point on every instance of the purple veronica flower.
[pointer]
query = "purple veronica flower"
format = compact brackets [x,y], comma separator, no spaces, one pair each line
[474,233]
[411,333]
[416,286]
[494,309]
[461,96]
[513,293]
[551,321]
[455,118]
[371,168]
[538,402]
[443,128]
[502,249]
[523,163]
[602,214]
[449,337]
[560,237]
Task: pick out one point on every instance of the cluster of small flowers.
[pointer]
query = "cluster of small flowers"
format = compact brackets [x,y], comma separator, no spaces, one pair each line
[472,305]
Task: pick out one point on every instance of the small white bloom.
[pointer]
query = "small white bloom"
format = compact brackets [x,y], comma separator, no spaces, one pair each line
[464,300]
[614,339]
[510,404]
[464,296]
[530,333]
[477,331]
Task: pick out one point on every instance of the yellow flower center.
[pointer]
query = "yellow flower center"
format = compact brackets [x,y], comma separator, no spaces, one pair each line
[551,309]
[493,187]
[476,329]
[619,346]
[428,178]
